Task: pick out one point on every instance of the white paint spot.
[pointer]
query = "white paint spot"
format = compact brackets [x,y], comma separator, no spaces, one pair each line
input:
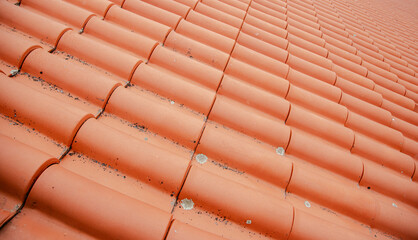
[248,222]
[187,204]
[394,204]
[307,204]
[172,102]
[14,72]
[201,158]
[280,151]
[257,33]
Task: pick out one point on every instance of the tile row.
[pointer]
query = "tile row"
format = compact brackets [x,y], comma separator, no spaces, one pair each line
[239,103]
[283,74]
[57,192]
[241,55]
[177,42]
[179,39]
[101,147]
[169,61]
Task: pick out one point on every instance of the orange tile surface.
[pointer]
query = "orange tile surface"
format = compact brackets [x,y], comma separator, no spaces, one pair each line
[208,119]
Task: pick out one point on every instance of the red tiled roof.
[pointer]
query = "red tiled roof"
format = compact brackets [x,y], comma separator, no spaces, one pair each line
[212,119]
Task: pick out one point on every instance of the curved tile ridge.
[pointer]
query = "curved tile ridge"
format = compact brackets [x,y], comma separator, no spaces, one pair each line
[212,24]
[259,60]
[377,131]
[47,32]
[174,87]
[201,210]
[170,6]
[250,121]
[258,77]
[81,209]
[243,153]
[20,166]
[331,157]
[137,23]
[378,102]
[389,157]
[148,112]
[219,15]
[196,50]
[190,3]
[354,202]
[309,226]
[183,231]
[99,7]
[389,52]
[322,127]
[103,30]
[102,55]
[205,36]
[152,12]
[392,97]
[62,11]
[14,51]
[270,216]
[186,67]
[81,81]
[55,119]
[133,43]
[255,97]
[139,159]
[387,182]
[313,84]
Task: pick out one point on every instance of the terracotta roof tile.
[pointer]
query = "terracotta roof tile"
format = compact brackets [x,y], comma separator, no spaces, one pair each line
[173,87]
[196,50]
[98,7]
[375,130]
[63,12]
[182,231]
[240,4]
[215,13]
[266,26]
[205,36]
[314,85]
[253,75]
[137,23]
[308,56]
[15,50]
[48,32]
[306,44]
[316,103]
[152,12]
[16,185]
[276,11]
[211,24]
[92,86]
[211,119]
[36,113]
